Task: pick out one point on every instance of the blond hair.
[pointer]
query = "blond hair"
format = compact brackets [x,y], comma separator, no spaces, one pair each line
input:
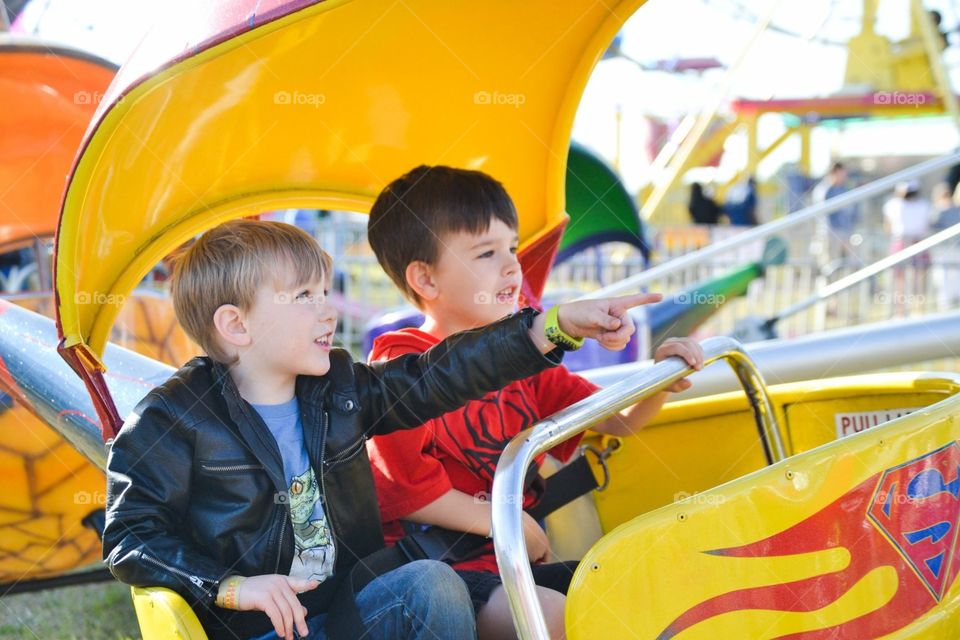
[227,265]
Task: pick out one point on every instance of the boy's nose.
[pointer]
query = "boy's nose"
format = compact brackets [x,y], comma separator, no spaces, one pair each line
[326,310]
[513,264]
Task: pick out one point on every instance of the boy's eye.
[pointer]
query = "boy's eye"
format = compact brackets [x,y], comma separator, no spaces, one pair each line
[513,249]
[486,254]
[303,295]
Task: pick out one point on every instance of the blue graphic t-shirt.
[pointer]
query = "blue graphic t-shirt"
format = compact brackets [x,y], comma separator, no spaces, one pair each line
[314,555]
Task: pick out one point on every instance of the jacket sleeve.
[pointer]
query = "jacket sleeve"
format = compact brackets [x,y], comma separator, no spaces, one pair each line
[145,539]
[407,391]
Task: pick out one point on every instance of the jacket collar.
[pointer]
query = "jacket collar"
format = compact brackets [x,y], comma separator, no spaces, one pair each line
[249,425]
[311,389]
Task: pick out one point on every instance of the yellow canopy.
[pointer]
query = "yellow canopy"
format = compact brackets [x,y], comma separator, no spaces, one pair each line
[318,106]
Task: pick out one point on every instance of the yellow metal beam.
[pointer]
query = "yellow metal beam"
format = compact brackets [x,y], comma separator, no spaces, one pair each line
[674,170]
[760,155]
[931,42]
[804,130]
[713,144]
[869,55]
[753,144]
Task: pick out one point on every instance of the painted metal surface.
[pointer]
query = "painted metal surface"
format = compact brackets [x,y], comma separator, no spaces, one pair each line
[508,482]
[599,206]
[660,465]
[679,314]
[341,97]
[34,374]
[164,615]
[856,538]
[51,452]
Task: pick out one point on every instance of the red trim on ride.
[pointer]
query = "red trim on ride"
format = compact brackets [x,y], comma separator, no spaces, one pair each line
[85,366]
[827,107]
[536,260]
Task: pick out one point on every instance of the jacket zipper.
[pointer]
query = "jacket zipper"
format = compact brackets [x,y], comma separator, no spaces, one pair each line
[284,516]
[196,580]
[346,454]
[323,489]
[233,467]
[283,528]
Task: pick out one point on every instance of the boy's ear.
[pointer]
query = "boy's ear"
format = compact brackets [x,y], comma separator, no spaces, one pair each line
[229,322]
[419,277]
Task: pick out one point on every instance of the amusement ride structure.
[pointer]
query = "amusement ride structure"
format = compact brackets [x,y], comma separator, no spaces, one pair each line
[814,507]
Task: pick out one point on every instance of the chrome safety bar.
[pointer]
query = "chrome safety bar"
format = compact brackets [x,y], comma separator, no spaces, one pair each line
[508,482]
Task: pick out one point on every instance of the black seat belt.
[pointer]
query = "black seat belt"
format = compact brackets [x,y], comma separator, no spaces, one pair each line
[563,487]
[560,489]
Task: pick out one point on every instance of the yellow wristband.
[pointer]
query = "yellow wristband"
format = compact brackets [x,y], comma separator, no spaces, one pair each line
[558,336]
[231,593]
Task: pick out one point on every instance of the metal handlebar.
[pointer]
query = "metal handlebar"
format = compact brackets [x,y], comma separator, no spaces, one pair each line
[508,481]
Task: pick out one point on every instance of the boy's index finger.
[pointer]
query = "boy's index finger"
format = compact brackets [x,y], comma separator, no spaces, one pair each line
[628,302]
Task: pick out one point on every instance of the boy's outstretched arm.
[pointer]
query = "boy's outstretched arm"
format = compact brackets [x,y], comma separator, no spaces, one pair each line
[636,417]
[606,320]
[411,389]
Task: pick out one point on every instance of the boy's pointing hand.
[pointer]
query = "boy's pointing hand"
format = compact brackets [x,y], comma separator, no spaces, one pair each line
[606,320]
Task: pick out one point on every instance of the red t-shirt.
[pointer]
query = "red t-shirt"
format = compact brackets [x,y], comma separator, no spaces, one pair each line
[459,450]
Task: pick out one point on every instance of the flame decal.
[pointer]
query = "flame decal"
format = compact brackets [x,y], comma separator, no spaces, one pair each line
[905,517]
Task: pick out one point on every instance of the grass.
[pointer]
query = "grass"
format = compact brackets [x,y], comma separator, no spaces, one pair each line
[101,611]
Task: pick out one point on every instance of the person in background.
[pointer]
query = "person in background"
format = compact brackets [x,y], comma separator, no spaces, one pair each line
[946,256]
[907,220]
[742,211]
[703,208]
[945,209]
[906,216]
[840,224]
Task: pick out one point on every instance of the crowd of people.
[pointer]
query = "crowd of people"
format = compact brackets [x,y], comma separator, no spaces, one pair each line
[908,216]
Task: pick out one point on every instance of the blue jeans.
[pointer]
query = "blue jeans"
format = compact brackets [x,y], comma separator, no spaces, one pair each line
[422,600]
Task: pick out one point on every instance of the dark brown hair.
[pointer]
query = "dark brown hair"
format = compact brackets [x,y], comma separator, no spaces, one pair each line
[413,213]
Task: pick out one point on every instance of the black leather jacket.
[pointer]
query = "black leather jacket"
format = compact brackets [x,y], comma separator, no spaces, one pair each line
[195,487]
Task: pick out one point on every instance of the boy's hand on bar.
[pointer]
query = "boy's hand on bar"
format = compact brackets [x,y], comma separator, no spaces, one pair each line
[686,348]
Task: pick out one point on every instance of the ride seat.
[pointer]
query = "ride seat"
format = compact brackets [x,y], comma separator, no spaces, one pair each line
[163,614]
